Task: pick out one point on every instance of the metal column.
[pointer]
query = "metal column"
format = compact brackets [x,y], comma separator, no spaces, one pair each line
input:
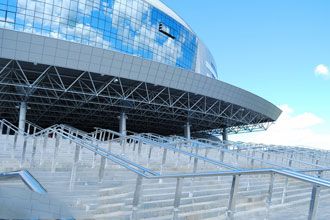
[224,134]
[22,116]
[122,123]
[122,129]
[187,133]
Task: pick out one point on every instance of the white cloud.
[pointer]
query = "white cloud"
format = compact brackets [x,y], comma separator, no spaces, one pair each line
[291,130]
[61,19]
[144,38]
[322,70]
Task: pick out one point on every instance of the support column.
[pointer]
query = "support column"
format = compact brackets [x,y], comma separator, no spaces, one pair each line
[122,123]
[22,116]
[187,130]
[122,130]
[224,134]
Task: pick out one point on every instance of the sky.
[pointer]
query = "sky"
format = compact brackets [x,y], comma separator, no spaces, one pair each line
[277,49]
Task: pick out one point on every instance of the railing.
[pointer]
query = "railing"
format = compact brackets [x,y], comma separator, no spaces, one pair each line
[86,141]
[27,178]
[290,158]
[253,158]
[223,148]
[32,128]
[315,181]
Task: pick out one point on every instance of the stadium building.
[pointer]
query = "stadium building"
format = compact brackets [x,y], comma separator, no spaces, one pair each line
[94,98]
[89,62]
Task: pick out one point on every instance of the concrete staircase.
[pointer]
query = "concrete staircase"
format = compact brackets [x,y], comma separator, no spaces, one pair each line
[202,198]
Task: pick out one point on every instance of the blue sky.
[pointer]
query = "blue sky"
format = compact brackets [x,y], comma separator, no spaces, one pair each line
[270,48]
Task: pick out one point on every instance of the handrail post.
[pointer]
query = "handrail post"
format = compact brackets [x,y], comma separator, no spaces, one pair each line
[163,163]
[101,170]
[270,195]
[136,198]
[74,167]
[139,149]
[109,144]
[7,135]
[109,136]
[134,144]
[23,151]
[315,196]
[103,136]
[70,133]
[15,140]
[28,128]
[252,159]
[44,146]
[290,161]
[1,127]
[149,155]
[232,198]
[178,157]
[14,144]
[177,198]
[206,154]
[123,140]
[57,143]
[94,159]
[222,157]
[195,164]
[286,183]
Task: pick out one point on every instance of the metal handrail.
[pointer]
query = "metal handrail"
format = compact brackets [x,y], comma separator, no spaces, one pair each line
[58,130]
[283,172]
[170,147]
[250,157]
[34,125]
[24,175]
[302,162]
[102,152]
[234,153]
[13,127]
[269,163]
[143,172]
[139,138]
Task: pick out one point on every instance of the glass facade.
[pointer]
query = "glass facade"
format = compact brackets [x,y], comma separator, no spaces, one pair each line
[134,27]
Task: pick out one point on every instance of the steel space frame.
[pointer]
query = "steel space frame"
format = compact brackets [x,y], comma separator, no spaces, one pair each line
[85,100]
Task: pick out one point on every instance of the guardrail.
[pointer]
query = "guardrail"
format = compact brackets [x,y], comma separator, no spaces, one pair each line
[24,175]
[87,142]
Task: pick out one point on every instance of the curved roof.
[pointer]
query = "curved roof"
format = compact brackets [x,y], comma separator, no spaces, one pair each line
[151,88]
[161,6]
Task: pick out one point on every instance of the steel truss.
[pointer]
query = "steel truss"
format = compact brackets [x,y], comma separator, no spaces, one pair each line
[85,99]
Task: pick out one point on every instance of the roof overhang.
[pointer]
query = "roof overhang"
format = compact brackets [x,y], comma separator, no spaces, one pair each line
[66,82]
